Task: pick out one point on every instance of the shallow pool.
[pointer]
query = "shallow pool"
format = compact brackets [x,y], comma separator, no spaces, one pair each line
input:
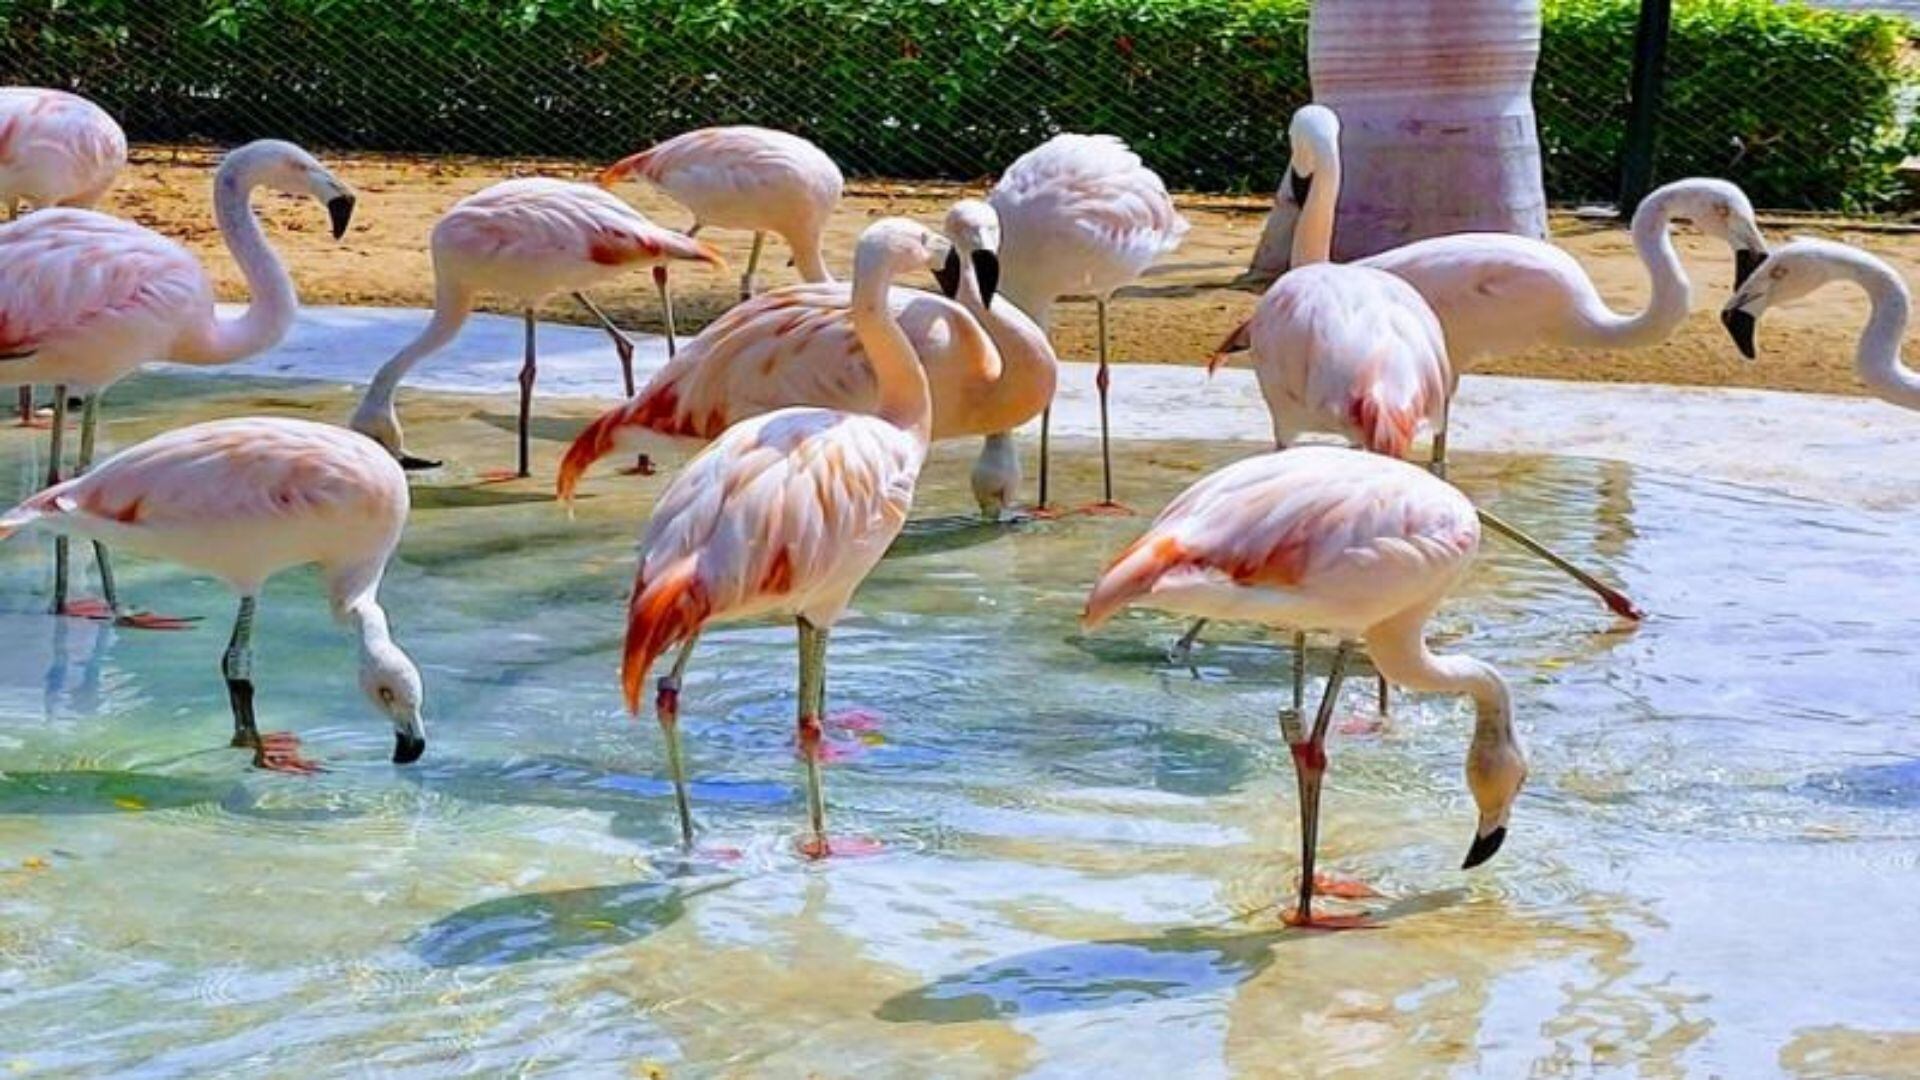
[1086,847]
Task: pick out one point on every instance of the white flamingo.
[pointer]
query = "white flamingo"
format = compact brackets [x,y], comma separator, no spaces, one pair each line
[1081,216]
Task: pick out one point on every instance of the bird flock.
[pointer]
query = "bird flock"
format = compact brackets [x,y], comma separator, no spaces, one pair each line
[798,422]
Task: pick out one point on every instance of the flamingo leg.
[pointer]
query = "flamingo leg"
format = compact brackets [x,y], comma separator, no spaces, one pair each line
[666,703]
[812,706]
[528,370]
[26,406]
[622,344]
[1615,600]
[56,451]
[277,751]
[1299,672]
[89,431]
[753,265]
[1182,650]
[1046,430]
[666,310]
[1101,381]
[1310,767]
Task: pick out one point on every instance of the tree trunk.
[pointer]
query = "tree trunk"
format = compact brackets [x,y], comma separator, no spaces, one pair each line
[1436,114]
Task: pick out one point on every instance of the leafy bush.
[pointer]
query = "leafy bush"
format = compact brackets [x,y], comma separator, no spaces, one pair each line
[937,88]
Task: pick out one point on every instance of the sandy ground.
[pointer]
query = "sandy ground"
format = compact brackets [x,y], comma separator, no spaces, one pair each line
[1176,315]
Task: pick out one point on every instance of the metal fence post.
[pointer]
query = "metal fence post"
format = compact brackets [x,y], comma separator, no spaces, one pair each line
[1648,85]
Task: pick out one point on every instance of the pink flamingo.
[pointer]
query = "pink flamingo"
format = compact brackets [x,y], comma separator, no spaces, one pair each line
[523,239]
[785,514]
[1801,266]
[242,500]
[1356,350]
[1334,540]
[1081,217]
[743,177]
[799,346]
[56,149]
[86,298]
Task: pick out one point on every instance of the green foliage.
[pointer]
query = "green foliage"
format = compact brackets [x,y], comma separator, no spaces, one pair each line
[1796,105]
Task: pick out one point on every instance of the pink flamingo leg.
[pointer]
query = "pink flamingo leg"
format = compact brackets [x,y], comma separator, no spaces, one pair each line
[667,705]
[1310,768]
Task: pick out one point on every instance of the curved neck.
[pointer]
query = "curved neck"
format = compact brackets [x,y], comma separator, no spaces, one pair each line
[809,261]
[904,397]
[1027,360]
[1313,231]
[1672,296]
[451,306]
[1400,652]
[1877,357]
[270,312]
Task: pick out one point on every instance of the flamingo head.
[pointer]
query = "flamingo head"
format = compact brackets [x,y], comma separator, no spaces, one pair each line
[1792,271]
[974,228]
[393,684]
[1496,770]
[898,246]
[1720,210]
[1313,139]
[285,167]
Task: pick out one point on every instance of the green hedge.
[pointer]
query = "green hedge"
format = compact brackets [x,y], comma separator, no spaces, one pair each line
[936,88]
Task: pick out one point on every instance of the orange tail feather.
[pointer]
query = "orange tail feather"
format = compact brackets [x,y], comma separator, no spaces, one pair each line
[663,613]
[599,439]
[625,167]
[1385,427]
[1131,576]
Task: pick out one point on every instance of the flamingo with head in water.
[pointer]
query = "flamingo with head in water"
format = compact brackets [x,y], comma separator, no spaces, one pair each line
[1333,540]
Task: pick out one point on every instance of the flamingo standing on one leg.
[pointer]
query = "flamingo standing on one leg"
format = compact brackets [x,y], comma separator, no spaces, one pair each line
[1081,216]
[56,149]
[786,514]
[86,298]
[524,239]
[799,346]
[1330,539]
[1798,268]
[743,177]
[242,500]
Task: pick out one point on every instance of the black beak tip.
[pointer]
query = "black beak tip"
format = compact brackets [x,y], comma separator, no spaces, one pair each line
[1745,262]
[949,274]
[986,267]
[340,209]
[1301,186]
[417,464]
[407,748]
[1484,848]
[1740,327]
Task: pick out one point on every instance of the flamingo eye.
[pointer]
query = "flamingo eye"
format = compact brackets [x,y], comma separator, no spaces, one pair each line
[1777,273]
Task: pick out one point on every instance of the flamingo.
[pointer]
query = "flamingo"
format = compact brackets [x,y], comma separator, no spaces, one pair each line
[1801,266]
[989,366]
[56,149]
[785,514]
[242,500]
[1357,350]
[524,239]
[1081,215]
[743,177]
[1334,540]
[86,298]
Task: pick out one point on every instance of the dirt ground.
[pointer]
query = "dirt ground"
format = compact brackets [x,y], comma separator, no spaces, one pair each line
[1177,314]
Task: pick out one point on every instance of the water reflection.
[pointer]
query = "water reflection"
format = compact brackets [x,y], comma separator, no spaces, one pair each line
[561,925]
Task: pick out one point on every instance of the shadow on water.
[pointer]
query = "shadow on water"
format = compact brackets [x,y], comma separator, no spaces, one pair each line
[97,791]
[554,925]
[1106,974]
[642,806]
[947,532]
[1895,785]
[474,496]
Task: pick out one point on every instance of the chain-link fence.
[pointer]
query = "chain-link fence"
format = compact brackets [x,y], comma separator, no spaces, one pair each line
[1804,108]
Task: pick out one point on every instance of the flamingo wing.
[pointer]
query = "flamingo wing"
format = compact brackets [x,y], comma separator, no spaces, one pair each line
[1339,535]
[786,508]
[64,271]
[1087,209]
[733,168]
[528,221]
[1494,294]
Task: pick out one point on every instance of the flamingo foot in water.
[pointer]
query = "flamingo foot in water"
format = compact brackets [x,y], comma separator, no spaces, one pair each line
[1329,923]
[1358,724]
[840,847]
[860,721]
[1343,888]
[1107,509]
[98,611]
[279,751]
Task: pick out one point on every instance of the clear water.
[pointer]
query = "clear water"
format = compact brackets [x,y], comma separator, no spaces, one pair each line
[1711,872]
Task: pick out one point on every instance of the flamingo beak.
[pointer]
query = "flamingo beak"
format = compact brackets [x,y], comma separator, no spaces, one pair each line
[1745,262]
[949,274]
[986,267]
[1484,847]
[407,748]
[340,209]
[1740,326]
[1301,185]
